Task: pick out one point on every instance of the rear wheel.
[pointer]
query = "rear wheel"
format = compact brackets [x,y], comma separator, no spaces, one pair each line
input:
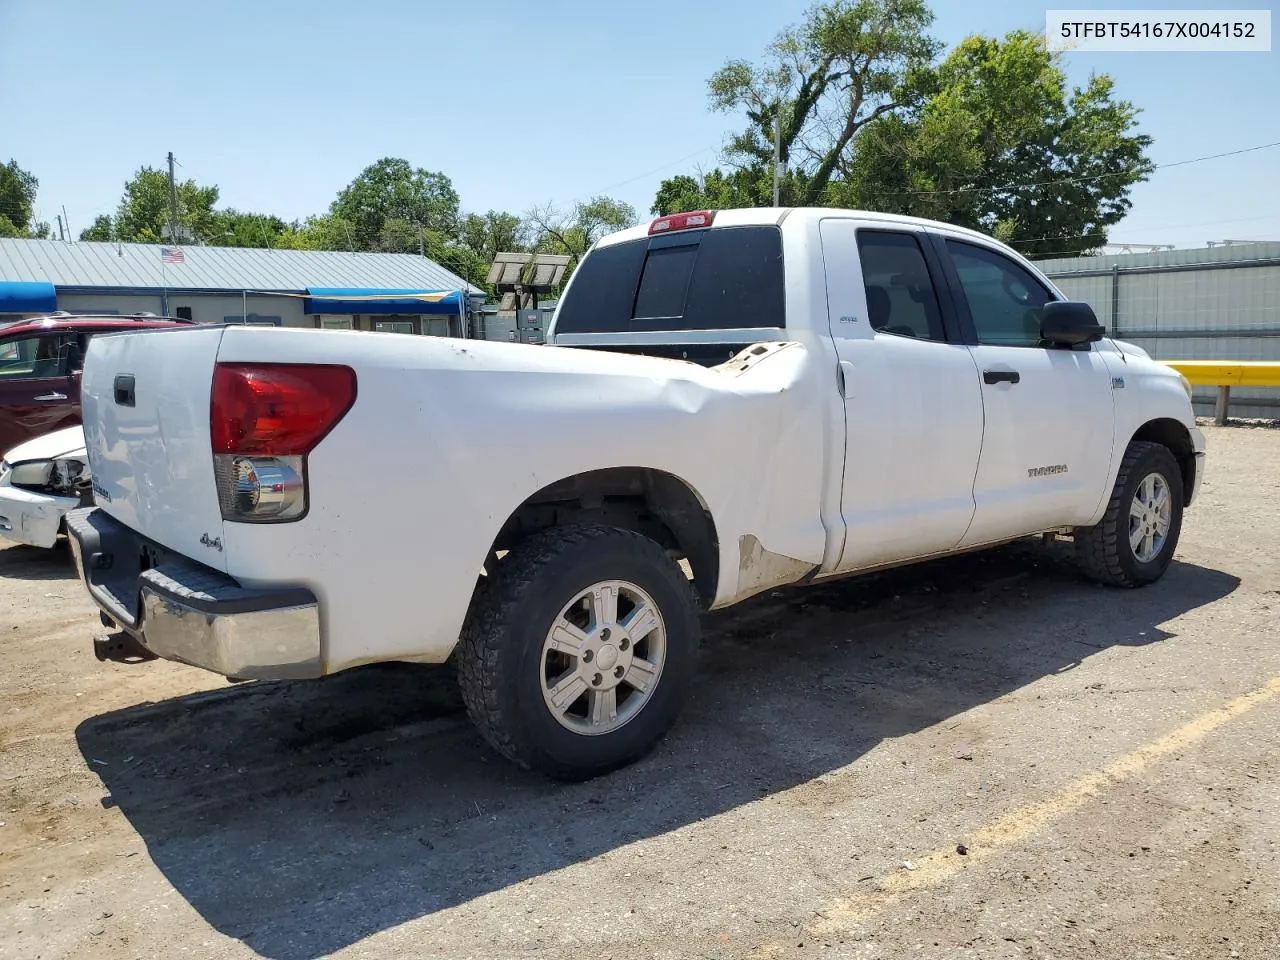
[1134,542]
[580,650]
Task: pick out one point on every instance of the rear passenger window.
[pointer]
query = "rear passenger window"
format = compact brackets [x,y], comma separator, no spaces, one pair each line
[901,299]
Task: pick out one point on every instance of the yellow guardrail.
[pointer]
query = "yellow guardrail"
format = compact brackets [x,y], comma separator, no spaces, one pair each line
[1225,374]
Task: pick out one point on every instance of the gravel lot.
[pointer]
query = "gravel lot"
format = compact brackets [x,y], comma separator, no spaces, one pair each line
[1105,759]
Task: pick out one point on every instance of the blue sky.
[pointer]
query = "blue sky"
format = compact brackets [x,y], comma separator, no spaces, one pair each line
[281,103]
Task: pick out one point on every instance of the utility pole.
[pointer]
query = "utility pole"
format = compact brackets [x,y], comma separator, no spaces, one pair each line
[173,203]
[777,153]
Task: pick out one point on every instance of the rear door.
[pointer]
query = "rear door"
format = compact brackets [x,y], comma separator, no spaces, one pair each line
[913,411]
[1046,452]
[37,395]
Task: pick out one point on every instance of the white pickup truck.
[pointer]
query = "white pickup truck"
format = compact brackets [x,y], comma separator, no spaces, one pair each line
[282,503]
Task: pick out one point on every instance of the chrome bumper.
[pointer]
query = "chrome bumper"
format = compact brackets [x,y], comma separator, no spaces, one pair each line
[182,611]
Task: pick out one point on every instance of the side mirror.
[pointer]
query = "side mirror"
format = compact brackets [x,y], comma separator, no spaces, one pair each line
[1069,323]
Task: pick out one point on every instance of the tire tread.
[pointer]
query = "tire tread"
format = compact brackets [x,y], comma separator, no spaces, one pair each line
[1098,547]
[480,649]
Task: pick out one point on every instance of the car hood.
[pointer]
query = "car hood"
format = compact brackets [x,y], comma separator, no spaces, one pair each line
[51,446]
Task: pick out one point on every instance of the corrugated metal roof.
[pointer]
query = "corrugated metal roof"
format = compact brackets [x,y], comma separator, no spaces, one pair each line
[91,264]
[1257,250]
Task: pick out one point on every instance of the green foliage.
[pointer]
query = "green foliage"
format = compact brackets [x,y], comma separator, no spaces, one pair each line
[490,233]
[17,199]
[1003,145]
[573,231]
[992,137]
[233,228]
[102,229]
[717,190]
[143,213]
[321,233]
[391,189]
[848,63]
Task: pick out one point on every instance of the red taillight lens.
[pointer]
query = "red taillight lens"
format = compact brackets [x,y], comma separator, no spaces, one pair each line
[277,409]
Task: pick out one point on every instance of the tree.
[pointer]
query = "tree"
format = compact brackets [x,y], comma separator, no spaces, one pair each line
[143,213]
[102,229]
[848,63]
[320,233]
[17,203]
[234,228]
[488,234]
[573,231]
[393,190]
[17,197]
[1003,145]
[748,187]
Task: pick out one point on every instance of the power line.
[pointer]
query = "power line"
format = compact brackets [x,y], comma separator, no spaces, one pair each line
[649,173]
[1090,179]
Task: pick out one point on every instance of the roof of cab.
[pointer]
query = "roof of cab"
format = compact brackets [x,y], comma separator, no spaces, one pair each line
[757,216]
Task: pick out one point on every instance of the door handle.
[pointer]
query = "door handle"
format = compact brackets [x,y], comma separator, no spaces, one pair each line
[1000,376]
[52,396]
[844,378]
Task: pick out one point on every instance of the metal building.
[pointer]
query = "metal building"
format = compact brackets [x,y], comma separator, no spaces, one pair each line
[397,292]
[1210,303]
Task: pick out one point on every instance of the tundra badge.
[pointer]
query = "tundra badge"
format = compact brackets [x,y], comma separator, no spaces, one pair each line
[1049,471]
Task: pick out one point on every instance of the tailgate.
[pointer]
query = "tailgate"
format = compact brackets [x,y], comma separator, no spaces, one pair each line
[145,398]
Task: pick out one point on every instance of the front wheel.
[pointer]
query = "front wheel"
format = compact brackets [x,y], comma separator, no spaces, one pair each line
[580,650]
[1133,544]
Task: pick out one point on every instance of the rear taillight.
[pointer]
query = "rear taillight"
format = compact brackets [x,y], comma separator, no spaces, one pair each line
[264,418]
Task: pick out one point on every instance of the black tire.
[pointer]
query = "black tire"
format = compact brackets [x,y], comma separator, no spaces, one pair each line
[1104,551]
[500,652]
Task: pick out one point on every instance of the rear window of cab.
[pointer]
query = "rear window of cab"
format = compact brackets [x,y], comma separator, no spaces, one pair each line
[724,278]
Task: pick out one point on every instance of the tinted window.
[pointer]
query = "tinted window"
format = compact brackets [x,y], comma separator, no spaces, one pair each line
[35,357]
[900,296]
[603,289]
[713,280]
[1005,299]
[664,284]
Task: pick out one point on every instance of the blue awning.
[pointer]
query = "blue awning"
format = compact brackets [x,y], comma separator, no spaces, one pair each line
[21,297]
[352,300]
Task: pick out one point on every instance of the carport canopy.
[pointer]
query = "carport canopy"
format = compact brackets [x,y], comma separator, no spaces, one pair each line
[376,300]
[19,296]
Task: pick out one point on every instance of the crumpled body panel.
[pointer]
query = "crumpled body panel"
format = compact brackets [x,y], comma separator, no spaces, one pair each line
[448,438]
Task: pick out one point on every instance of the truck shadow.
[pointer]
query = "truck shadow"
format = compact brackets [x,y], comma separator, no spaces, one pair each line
[21,562]
[303,817]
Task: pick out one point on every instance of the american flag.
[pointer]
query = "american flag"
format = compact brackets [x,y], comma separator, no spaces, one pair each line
[171,255]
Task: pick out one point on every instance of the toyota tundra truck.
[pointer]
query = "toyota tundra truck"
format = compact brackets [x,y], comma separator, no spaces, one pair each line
[729,402]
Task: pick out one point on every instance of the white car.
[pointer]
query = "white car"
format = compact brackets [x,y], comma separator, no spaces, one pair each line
[288,503]
[41,480]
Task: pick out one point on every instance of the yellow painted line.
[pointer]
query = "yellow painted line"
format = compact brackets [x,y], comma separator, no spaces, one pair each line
[1228,373]
[937,867]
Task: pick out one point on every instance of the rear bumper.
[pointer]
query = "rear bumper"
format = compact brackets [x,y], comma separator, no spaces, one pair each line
[182,611]
[32,518]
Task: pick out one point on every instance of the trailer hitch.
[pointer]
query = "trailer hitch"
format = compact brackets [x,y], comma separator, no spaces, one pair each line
[121,648]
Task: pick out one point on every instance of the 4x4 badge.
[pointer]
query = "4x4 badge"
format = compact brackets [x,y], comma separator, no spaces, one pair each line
[214,542]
